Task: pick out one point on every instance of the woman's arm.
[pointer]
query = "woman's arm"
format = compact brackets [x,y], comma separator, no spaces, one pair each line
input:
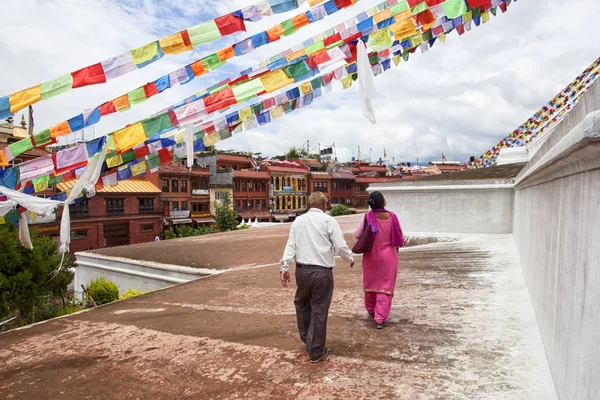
[359,229]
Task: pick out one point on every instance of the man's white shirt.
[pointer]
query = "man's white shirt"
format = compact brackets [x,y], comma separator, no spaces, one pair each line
[315,239]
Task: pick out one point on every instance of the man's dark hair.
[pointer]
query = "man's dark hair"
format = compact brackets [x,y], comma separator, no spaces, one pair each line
[376,200]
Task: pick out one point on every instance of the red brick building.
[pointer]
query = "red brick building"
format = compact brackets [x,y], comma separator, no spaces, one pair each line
[361,183]
[342,189]
[251,194]
[183,190]
[126,213]
[231,161]
[362,168]
[320,182]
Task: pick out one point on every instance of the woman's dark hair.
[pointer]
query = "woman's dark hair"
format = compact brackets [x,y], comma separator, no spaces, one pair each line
[376,200]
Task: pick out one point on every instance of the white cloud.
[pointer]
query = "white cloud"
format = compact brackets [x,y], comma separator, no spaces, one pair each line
[460,98]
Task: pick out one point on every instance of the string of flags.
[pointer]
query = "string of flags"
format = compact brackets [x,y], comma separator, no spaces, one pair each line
[180,42]
[412,23]
[543,119]
[142,147]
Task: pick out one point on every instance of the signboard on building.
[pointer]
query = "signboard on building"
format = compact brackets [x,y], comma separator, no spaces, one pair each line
[199,192]
[287,188]
[200,215]
[180,214]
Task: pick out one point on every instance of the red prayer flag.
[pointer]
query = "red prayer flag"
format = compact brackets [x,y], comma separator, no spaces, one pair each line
[173,118]
[332,39]
[229,24]
[186,38]
[432,3]
[219,100]
[150,89]
[208,128]
[107,108]
[166,156]
[476,3]
[343,3]
[141,151]
[92,75]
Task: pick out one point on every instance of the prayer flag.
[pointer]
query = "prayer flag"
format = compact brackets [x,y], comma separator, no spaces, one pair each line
[76,123]
[25,98]
[71,156]
[129,137]
[454,8]
[5,107]
[60,129]
[121,103]
[118,66]
[156,124]
[142,56]
[42,138]
[36,168]
[204,33]
[247,90]
[229,24]
[92,75]
[176,43]
[139,168]
[107,108]
[20,147]
[114,161]
[275,80]
[56,86]
[219,100]
[137,96]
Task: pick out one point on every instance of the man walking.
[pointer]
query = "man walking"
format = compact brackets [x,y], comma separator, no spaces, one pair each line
[315,238]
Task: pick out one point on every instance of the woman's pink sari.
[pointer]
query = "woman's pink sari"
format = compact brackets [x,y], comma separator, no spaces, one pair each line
[380,265]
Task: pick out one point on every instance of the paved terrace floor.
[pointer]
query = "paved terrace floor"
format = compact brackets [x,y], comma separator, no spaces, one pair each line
[461,327]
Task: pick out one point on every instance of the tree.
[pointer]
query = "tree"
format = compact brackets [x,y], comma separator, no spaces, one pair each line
[339,209]
[225,217]
[25,275]
[292,153]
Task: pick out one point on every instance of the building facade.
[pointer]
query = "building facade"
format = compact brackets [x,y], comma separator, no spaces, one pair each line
[127,213]
[289,190]
[251,194]
[342,189]
[320,182]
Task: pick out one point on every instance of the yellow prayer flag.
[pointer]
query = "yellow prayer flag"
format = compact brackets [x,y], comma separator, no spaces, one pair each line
[380,40]
[297,54]
[174,44]
[129,137]
[210,140]
[276,112]
[313,3]
[305,88]
[145,53]
[372,11]
[403,29]
[442,37]
[40,186]
[403,15]
[245,113]
[114,161]
[2,220]
[275,80]
[382,16]
[138,168]
[468,16]
[179,136]
[25,98]
[485,17]
[347,82]
[397,59]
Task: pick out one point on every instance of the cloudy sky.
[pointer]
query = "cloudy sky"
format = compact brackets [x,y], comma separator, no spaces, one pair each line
[459,98]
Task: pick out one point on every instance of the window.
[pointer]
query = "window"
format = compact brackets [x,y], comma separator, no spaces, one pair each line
[355,202]
[251,186]
[243,186]
[237,186]
[263,204]
[165,203]
[146,205]
[147,228]
[348,201]
[356,189]
[175,205]
[115,206]
[80,209]
[184,205]
[250,204]
[183,186]
[79,234]
[334,186]
[334,201]
[174,186]
[348,185]
[238,205]
[165,185]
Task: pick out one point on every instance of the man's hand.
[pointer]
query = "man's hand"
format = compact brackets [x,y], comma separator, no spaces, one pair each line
[351,263]
[285,277]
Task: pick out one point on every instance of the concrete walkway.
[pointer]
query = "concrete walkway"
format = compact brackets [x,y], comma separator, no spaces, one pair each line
[461,327]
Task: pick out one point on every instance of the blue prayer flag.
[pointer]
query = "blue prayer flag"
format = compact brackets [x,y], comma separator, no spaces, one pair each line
[76,123]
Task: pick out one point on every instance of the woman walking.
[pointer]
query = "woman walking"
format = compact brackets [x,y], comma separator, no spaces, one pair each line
[380,264]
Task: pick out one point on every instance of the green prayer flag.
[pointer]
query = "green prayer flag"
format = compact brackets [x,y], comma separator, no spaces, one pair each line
[224,134]
[137,96]
[374,59]
[494,11]
[157,124]
[336,44]
[382,6]
[55,180]
[257,108]
[247,90]
[405,55]
[57,86]
[454,8]
[20,147]
[288,27]
[296,70]
[204,33]
[211,62]
[354,76]
[128,157]
[218,88]
[419,8]
[42,138]
[427,36]
[398,8]
[476,12]
[316,83]
[315,47]
[153,161]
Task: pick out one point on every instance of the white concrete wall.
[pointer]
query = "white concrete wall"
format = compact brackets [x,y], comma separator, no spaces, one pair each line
[132,274]
[462,207]
[557,233]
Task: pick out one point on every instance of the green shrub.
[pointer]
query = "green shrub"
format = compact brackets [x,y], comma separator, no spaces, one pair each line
[170,234]
[103,291]
[339,209]
[70,309]
[131,293]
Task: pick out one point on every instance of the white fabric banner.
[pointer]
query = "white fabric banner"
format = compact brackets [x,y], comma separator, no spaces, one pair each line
[366,86]
[189,145]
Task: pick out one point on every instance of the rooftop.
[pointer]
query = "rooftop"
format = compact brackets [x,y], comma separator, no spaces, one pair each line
[180,169]
[233,158]
[273,168]
[342,175]
[461,327]
[509,171]
[251,174]
[126,186]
